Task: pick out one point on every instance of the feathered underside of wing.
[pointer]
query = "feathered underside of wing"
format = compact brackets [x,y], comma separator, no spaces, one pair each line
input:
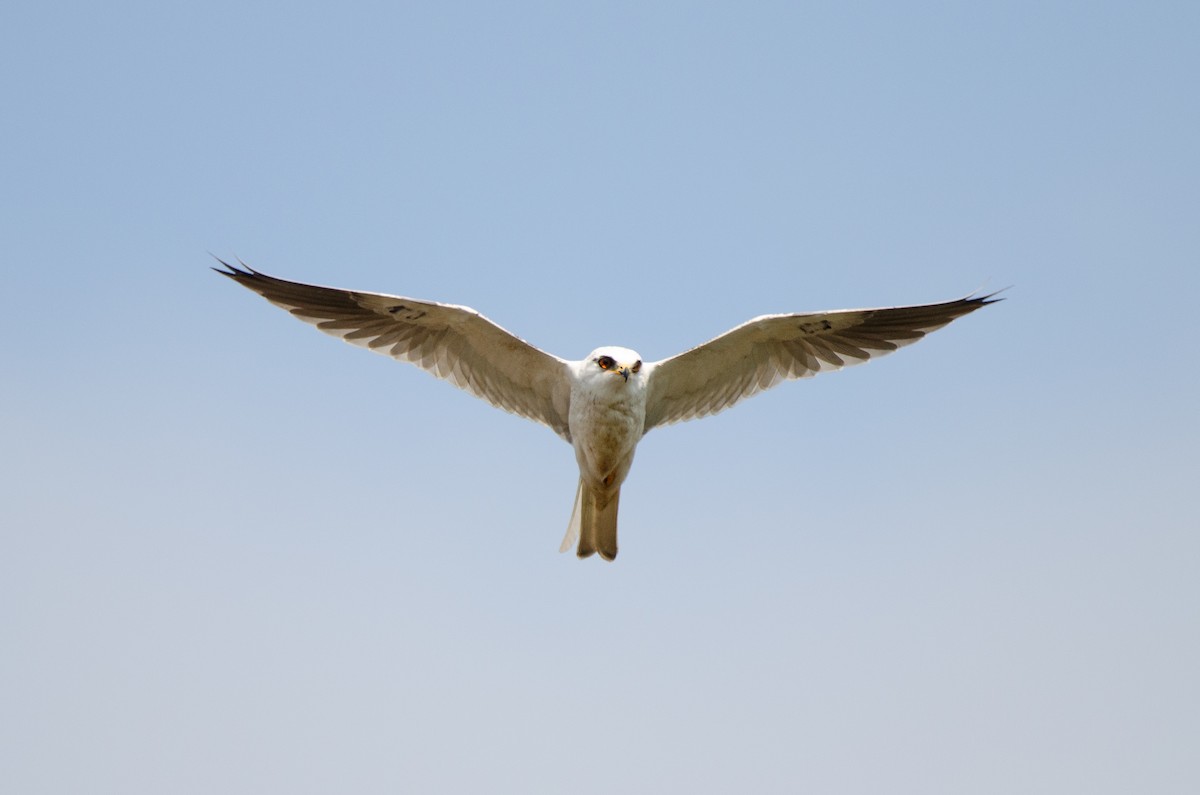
[759,354]
[451,342]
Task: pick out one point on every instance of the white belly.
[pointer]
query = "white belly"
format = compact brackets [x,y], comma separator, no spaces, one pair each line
[605,433]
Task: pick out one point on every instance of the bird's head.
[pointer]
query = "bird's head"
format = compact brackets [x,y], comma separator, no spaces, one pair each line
[606,362]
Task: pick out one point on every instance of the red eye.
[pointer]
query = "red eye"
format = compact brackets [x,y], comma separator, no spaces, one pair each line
[606,362]
[636,366]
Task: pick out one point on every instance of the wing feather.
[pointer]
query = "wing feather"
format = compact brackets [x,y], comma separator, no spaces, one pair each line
[761,353]
[455,343]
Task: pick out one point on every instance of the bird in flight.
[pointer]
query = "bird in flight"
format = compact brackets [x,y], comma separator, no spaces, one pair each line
[603,404]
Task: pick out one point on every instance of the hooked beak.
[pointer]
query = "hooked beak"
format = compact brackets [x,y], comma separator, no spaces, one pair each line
[624,371]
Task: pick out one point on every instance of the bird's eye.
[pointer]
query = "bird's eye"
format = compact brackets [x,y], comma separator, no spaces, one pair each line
[636,366]
[606,362]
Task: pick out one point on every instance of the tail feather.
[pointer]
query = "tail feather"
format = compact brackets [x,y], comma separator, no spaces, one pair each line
[594,525]
[573,526]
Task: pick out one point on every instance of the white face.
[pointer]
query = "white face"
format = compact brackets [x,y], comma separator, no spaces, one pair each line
[612,362]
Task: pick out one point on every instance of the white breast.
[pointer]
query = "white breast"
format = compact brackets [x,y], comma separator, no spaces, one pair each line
[607,418]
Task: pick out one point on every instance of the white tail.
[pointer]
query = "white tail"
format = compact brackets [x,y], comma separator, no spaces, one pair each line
[593,523]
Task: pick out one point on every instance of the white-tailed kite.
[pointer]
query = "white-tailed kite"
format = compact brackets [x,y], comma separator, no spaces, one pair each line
[605,403]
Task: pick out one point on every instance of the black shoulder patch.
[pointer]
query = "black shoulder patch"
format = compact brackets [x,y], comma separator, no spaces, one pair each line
[411,313]
[815,326]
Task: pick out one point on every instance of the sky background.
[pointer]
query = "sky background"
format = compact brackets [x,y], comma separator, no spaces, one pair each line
[238,556]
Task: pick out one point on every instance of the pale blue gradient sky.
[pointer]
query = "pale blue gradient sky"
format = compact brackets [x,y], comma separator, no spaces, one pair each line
[241,557]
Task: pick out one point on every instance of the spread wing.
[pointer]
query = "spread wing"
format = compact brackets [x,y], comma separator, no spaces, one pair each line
[452,342]
[759,354]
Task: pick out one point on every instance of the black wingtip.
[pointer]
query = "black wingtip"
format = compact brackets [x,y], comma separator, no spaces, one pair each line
[988,298]
[229,270]
[233,272]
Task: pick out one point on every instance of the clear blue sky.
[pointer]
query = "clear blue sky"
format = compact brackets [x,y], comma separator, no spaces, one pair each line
[237,556]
